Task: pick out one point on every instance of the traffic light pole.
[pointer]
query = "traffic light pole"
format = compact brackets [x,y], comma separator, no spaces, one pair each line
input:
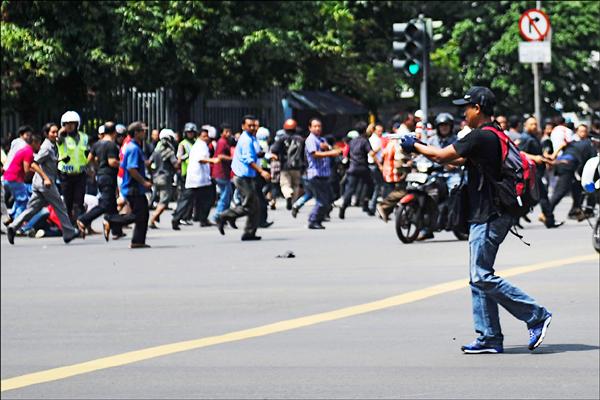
[423,97]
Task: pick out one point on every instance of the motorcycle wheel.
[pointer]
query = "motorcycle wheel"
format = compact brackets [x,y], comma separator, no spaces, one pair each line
[408,222]
[596,236]
[460,235]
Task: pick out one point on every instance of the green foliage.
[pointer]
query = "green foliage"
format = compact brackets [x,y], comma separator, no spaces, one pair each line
[63,52]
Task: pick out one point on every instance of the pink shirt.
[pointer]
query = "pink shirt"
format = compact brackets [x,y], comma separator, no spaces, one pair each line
[15,171]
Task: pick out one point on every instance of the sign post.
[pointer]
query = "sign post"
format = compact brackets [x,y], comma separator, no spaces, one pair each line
[534,26]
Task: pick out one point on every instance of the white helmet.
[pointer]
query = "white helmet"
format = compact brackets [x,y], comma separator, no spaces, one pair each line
[121,129]
[70,116]
[167,133]
[101,130]
[262,133]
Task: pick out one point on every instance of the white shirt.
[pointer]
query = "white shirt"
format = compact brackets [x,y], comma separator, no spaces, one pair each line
[376,146]
[561,135]
[198,174]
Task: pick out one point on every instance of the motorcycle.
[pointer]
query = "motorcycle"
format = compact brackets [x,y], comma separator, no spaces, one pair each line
[424,205]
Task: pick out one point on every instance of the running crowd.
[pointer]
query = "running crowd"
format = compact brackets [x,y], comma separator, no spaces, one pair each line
[58,181]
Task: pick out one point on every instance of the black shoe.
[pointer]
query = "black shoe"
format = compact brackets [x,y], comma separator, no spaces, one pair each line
[118,236]
[342,213]
[153,226]
[232,223]
[315,225]
[526,218]
[295,211]
[206,223]
[425,236]
[10,234]
[175,225]
[371,213]
[326,218]
[552,225]
[266,224]
[221,224]
[68,240]
[288,203]
[247,237]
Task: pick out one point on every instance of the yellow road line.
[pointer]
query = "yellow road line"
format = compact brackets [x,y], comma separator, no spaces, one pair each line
[163,350]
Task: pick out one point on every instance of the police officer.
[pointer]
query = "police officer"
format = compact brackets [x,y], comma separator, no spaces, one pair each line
[73,150]
[190,132]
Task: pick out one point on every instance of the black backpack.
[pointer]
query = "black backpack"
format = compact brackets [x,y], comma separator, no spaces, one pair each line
[294,153]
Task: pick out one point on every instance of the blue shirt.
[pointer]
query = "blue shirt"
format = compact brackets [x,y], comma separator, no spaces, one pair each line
[133,157]
[317,167]
[244,155]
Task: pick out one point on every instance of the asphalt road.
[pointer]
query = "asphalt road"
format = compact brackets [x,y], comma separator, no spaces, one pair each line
[68,304]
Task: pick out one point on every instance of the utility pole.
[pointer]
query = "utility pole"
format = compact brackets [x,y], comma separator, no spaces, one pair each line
[536,82]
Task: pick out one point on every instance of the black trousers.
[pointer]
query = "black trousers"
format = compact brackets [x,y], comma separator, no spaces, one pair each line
[72,187]
[250,206]
[107,205]
[353,179]
[262,200]
[140,215]
[200,198]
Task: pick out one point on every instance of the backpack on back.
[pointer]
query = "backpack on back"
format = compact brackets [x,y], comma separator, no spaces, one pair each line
[294,154]
[517,192]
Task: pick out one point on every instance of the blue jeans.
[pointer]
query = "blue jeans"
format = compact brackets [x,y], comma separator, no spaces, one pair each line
[20,194]
[488,290]
[43,213]
[226,192]
[307,194]
[321,189]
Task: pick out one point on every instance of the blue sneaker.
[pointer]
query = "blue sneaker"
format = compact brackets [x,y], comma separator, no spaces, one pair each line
[538,332]
[477,348]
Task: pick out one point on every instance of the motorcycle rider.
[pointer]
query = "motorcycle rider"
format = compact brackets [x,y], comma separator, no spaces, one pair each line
[445,136]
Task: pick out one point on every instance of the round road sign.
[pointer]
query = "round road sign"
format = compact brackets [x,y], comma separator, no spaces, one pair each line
[534,25]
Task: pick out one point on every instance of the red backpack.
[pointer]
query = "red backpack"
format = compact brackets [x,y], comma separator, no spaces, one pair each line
[517,191]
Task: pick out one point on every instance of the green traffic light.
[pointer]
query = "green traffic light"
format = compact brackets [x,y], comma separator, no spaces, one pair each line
[413,69]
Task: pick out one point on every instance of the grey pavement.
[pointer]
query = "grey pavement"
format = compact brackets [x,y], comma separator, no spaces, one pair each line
[66,304]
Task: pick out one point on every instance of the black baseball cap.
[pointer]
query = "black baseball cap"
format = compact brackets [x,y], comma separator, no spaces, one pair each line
[478,95]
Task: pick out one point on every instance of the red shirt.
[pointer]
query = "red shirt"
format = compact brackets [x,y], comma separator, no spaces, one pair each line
[121,153]
[16,170]
[222,170]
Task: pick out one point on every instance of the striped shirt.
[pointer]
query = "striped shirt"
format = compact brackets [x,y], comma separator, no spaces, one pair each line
[317,167]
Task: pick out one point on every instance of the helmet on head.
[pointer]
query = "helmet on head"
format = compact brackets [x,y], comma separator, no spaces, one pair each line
[444,118]
[167,134]
[70,116]
[262,133]
[290,125]
[121,129]
[190,127]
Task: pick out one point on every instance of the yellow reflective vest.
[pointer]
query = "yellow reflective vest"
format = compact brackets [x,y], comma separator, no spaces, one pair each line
[76,150]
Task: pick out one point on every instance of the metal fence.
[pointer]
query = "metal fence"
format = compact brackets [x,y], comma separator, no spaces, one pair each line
[157,109]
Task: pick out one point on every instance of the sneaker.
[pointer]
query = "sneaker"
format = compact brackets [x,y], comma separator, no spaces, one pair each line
[40,234]
[315,225]
[187,222]
[246,237]
[538,332]
[478,348]
[295,211]
[382,214]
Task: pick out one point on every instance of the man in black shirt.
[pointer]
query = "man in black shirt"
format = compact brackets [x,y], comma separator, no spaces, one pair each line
[360,149]
[489,225]
[105,153]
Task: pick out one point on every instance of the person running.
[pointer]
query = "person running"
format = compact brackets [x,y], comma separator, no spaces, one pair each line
[73,152]
[244,166]
[289,149]
[360,149]
[489,226]
[318,153]
[105,154]
[198,189]
[18,168]
[135,184]
[377,145]
[221,172]
[164,166]
[44,189]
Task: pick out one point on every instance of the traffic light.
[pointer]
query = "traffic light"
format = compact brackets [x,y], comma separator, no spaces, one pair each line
[410,46]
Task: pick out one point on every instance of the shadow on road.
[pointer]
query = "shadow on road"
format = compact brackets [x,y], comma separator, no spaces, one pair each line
[550,349]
